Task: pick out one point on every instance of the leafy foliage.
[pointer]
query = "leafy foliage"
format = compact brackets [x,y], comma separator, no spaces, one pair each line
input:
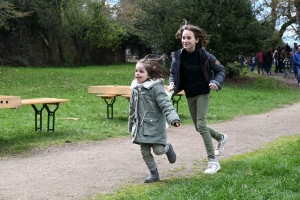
[232,70]
[60,31]
[103,32]
[231,25]
[8,11]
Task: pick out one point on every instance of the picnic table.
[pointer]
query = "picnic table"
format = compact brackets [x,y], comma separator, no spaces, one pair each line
[10,101]
[110,92]
[17,102]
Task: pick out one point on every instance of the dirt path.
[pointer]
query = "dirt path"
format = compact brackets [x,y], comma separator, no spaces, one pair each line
[73,172]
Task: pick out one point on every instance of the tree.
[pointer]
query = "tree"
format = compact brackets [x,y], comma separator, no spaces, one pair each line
[60,32]
[8,11]
[104,31]
[126,12]
[280,14]
[231,24]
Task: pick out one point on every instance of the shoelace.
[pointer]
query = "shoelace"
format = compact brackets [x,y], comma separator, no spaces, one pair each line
[219,145]
[211,165]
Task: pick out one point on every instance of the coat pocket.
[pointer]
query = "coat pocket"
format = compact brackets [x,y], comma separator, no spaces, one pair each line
[150,126]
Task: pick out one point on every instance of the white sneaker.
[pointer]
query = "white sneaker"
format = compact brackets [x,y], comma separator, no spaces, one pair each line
[212,167]
[220,148]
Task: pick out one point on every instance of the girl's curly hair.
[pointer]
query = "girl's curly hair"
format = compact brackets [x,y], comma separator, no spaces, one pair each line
[152,66]
[198,32]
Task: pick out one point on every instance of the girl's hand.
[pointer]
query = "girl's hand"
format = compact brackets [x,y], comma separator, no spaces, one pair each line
[177,124]
[170,88]
[213,86]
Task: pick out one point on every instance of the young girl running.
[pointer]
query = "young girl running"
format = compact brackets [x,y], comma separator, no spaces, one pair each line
[149,108]
[197,72]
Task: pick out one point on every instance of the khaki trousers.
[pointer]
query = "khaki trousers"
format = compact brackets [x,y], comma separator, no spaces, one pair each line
[198,107]
[158,149]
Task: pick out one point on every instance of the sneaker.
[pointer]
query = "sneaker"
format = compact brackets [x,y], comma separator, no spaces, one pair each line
[220,147]
[212,167]
[171,154]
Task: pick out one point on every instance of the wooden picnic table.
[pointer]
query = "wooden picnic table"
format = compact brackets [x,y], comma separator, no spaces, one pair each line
[110,92]
[45,102]
[17,102]
[10,101]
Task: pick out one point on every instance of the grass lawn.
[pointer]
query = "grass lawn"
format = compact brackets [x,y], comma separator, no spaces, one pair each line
[272,172]
[257,94]
[268,173]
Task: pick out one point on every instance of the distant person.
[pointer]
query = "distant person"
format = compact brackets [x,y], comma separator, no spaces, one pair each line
[295,47]
[149,108]
[241,60]
[295,70]
[192,70]
[287,48]
[287,63]
[260,61]
[273,49]
[252,62]
[278,60]
[268,59]
[296,61]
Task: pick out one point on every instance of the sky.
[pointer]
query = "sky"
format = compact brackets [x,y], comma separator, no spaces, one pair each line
[289,35]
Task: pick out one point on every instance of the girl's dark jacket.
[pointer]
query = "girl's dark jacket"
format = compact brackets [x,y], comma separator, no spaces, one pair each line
[213,70]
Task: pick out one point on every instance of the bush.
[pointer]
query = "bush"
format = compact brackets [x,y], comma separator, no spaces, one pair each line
[233,70]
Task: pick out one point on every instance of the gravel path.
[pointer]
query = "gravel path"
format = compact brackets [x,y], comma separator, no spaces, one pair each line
[73,172]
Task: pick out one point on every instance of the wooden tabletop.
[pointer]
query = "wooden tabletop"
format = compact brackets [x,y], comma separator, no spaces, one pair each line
[43,101]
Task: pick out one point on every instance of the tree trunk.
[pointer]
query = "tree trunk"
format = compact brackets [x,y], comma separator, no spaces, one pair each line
[48,47]
[297,5]
[61,50]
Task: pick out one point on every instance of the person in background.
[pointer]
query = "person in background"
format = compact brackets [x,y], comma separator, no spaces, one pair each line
[295,47]
[287,63]
[241,60]
[273,49]
[296,61]
[197,72]
[287,48]
[252,62]
[260,61]
[277,58]
[294,68]
[268,59]
[148,109]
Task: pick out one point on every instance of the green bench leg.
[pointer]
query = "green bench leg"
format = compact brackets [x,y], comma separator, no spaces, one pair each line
[110,108]
[175,102]
[39,114]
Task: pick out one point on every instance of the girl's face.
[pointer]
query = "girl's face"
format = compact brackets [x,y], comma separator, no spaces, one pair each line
[189,41]
[141,75]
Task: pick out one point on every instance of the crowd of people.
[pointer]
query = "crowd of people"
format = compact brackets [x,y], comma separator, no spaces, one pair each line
[284,58]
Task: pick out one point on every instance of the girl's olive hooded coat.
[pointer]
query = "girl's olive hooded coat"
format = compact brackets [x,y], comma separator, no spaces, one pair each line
[149,107]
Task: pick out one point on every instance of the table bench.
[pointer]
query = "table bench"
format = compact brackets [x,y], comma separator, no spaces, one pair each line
[17,102]
[45,102]
[10,101]
[110,92]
